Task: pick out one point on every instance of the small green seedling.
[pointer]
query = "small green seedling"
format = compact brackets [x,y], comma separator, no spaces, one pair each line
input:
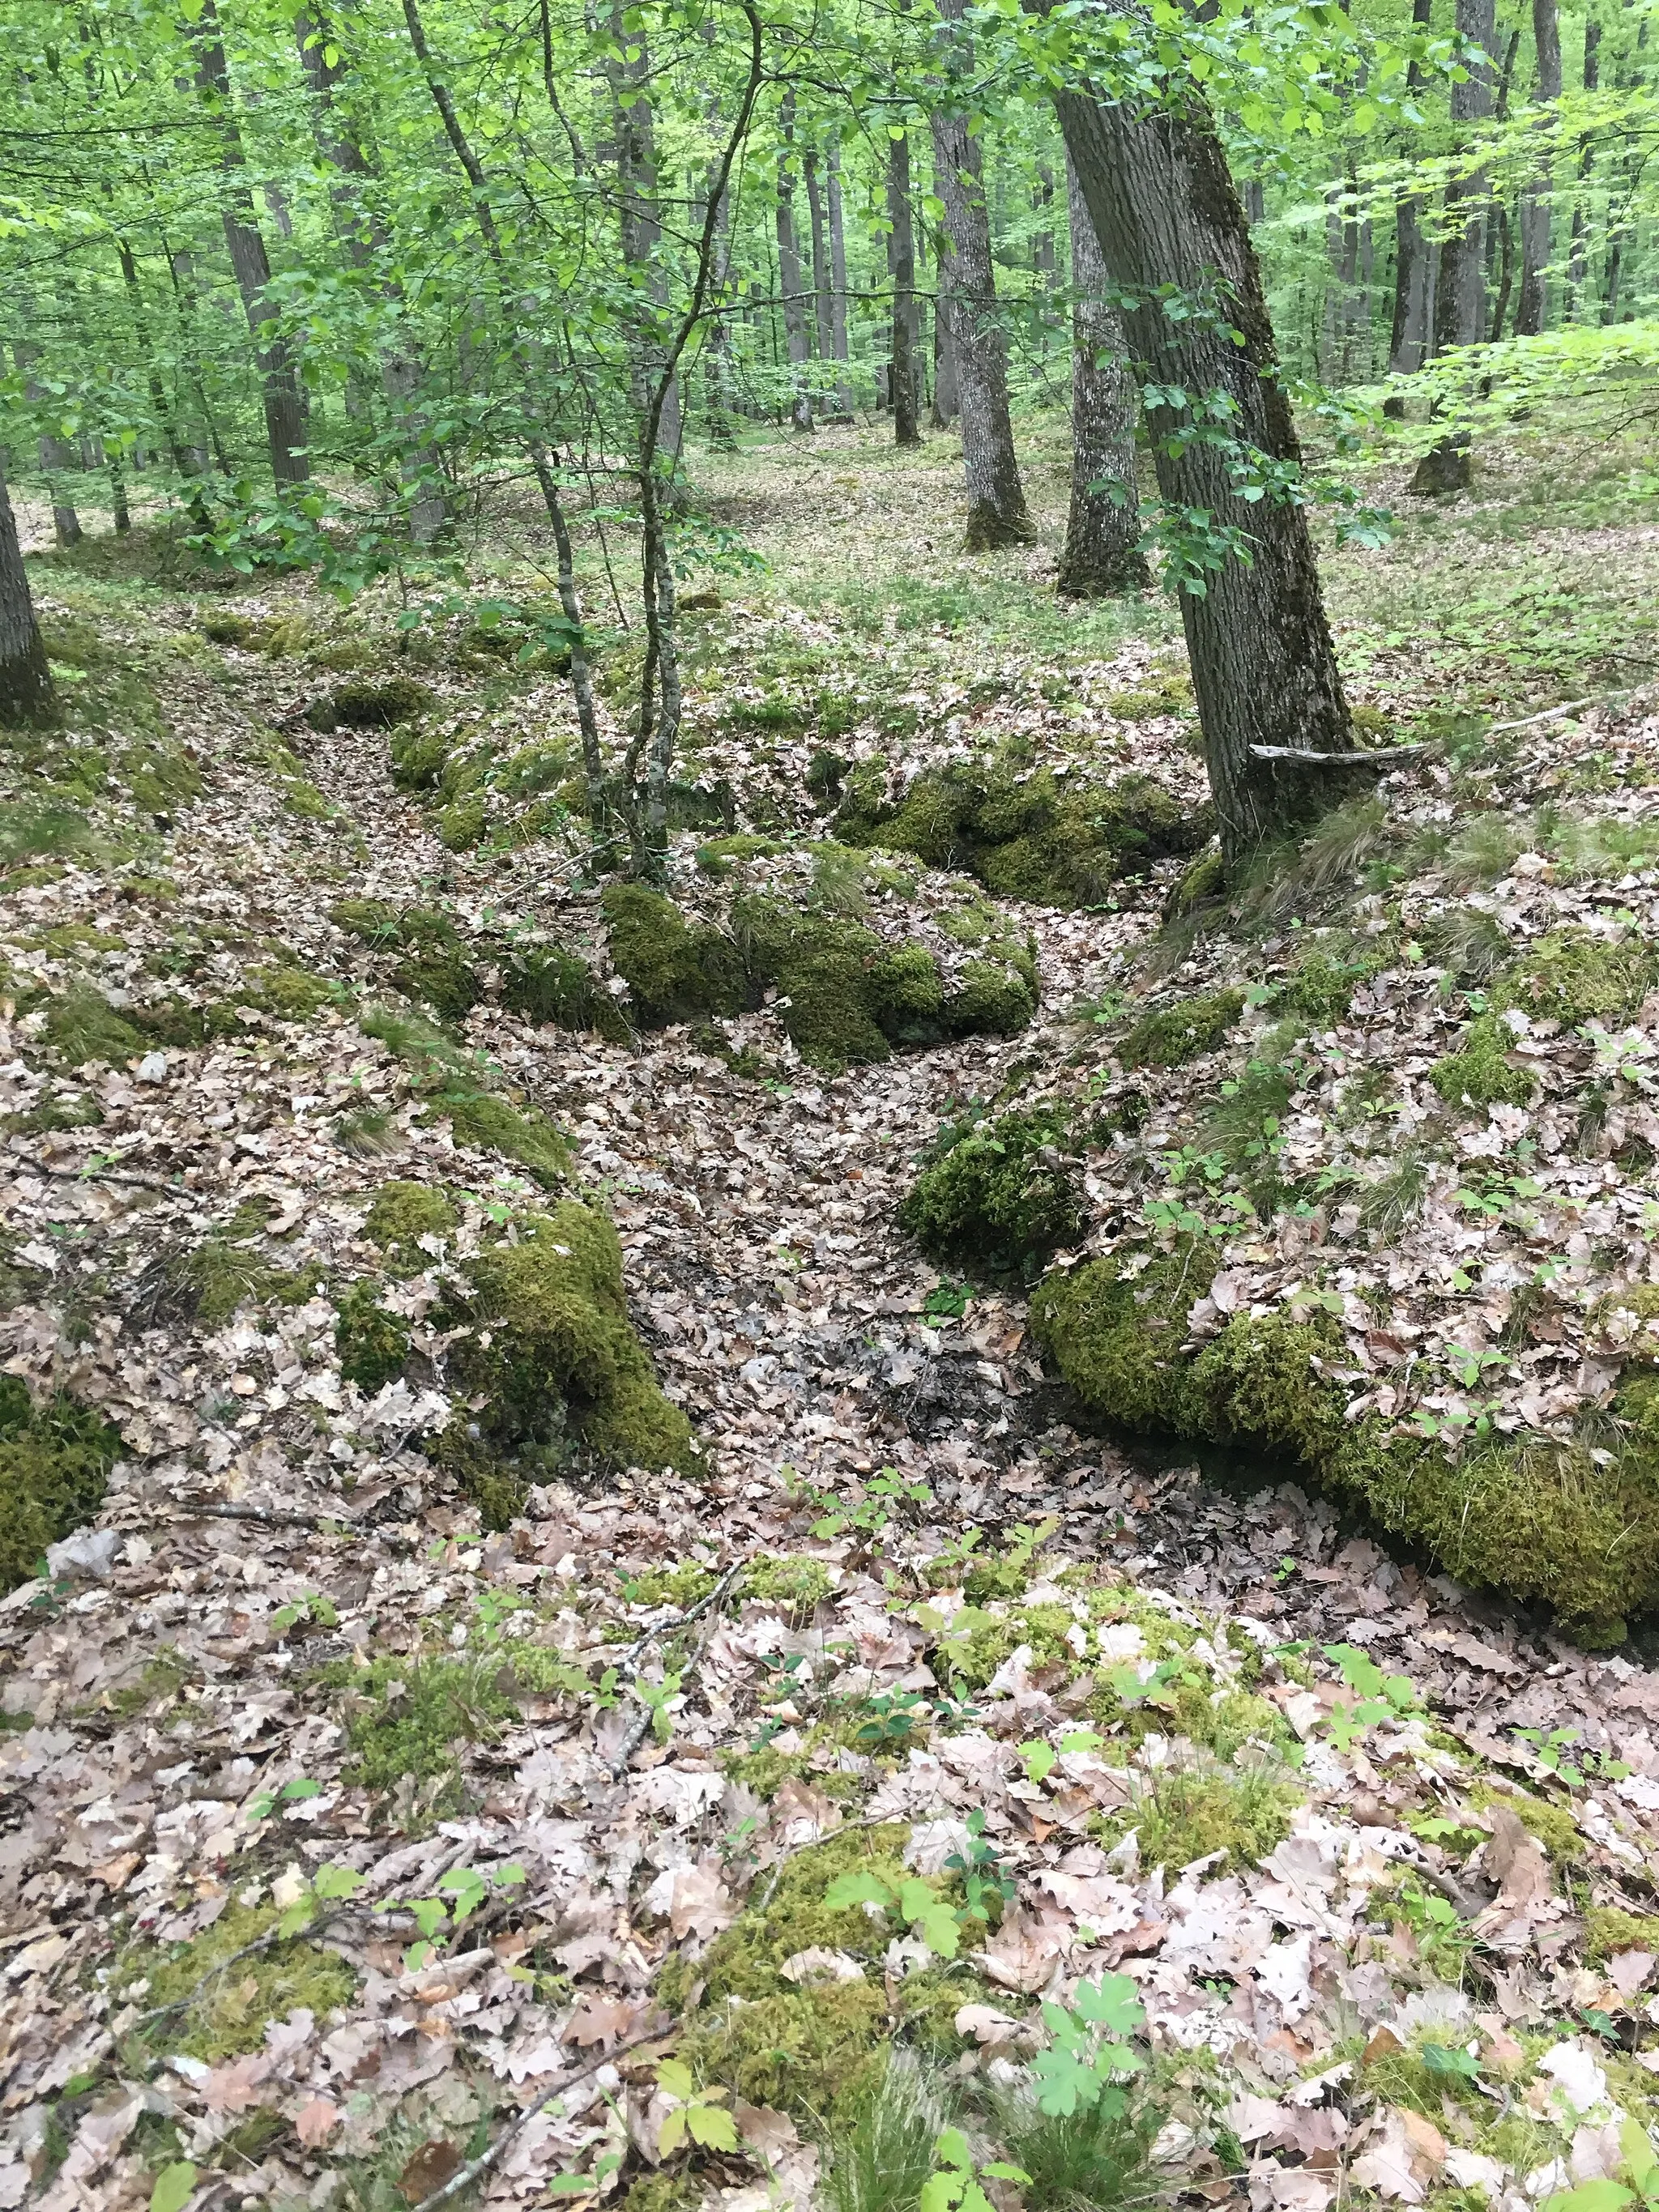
[1642,2167]
[916,1902]
[956,2184]
[461,1892]
[1088,2058]
[1376,1696]
[895,1716]
[313,1605]
[1041,1758]
[945,1301]
[291,1793]
[656,1697]
[1547,1745]
[873,1509]
[981,1870]
[175,2185]
[698,2115]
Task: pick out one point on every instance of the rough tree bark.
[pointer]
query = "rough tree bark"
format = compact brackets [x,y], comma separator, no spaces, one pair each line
[791,283]
[1460,313]
[823,310]
[285,421]
[1578,249]
[1102,554]
[1264,668]
[25,692]
[838,279]
[905,379]
[1411,340]
[1532,308]
[996,498]
[640,220]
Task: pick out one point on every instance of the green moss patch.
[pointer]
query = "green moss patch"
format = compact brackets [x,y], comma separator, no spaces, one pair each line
[405,1717]
[434,966]
[372,1344]
[1480,1073]
[1572,977]
[1171,1036]
[1058,841]
[55,1459]
[223,2013]
[999,1192]
[403,1212]
[552,1362]
[1535,1517]
[1191,1811]
[673,973]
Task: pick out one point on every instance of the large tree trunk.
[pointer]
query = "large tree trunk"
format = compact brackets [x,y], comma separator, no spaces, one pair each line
[946,403]
[790,282]
[285,419]
[996,498]
[1531,311]
[822,311]
[1459,314]
[1264,668]
[1102,553]
[905,380]
[25,692]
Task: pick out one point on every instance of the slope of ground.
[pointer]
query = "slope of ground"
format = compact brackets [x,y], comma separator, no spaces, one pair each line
[392,1786]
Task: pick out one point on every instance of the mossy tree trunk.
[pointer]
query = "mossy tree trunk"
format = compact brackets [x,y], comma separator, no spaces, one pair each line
[996,498]
[1264,668]
[26,689]
[1102,553]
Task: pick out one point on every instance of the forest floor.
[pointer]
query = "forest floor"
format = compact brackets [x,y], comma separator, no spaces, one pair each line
[347,1843]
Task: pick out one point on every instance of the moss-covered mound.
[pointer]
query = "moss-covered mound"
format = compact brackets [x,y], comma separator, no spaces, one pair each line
[1056,842]
[549,1362]
[54,1460]
[845,995]
[1169,1036]
[432,963]
[1538,1517]
[1001,1193]
[674,973]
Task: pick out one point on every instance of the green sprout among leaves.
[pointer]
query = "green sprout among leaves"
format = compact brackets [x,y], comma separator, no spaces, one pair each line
[290,1793]
[916,1902]
[698,2115]
[1376,1696]
[955,2183]
[1089,2059]
[1640,2164]
[461,1892]
[1547,1745]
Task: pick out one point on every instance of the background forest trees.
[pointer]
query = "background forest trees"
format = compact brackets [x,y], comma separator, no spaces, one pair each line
[321,283]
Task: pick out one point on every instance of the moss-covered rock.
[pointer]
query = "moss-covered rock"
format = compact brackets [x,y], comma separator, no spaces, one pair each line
[845,997]
[360,703]
[552,1359]
[372,1344]
[1001,1192]
[673,973]
[403,1212]
[417,759]
[1056,842]
[544,983]
[55,1458]
[1171,1036]
[1535,1516]
[433,965]
[483,1122]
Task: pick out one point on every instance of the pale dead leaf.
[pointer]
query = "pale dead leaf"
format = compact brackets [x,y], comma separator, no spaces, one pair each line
[316,2121]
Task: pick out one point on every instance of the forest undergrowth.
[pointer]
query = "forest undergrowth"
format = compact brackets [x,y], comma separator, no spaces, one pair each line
[794,1541]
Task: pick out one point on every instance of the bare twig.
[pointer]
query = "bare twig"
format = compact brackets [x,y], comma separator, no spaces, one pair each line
[466,2175]
[1342,760]
[87,1170]
[635,1733]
